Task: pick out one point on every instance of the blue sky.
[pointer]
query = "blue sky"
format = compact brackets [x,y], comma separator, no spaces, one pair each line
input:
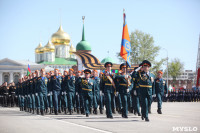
[174,25]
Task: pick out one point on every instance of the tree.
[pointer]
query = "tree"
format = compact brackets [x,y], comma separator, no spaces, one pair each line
[143,48]
[175,68]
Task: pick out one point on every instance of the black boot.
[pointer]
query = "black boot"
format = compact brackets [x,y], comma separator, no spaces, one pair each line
[37,111]
[147,119]
[59,110]
[77,110]
[159,111]
[56,112]
[149,110]
[101,111]
[139,114]
[90,110]
[142,117]
[87,115]
[65,111]
[42,112]
[47,110]
[113,111]
[71,111]
[51,110]
[95,111]
[33,112]
[30,110]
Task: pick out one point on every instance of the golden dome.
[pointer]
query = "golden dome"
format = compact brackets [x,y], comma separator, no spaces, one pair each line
[72,49]
[60,37]
[49,47]
[39,49]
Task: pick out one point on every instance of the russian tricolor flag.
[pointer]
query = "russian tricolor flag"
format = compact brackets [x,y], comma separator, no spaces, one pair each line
[29,70]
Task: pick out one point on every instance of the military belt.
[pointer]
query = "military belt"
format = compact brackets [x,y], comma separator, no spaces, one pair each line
[148,86]
[123,84]
[108,84]
[137,86]
[86,89]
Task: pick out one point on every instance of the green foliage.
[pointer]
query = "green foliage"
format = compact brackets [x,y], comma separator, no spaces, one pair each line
[175,68]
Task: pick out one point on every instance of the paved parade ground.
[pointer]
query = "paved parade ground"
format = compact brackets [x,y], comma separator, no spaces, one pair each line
[176,117]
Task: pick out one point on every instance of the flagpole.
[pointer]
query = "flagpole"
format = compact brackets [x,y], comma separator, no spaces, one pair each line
[127,73]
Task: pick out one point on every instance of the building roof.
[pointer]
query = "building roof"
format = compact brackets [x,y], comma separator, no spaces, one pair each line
[61,61]
[83,44]
[107,59]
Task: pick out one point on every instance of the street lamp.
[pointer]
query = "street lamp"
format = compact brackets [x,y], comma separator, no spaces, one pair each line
[167,64]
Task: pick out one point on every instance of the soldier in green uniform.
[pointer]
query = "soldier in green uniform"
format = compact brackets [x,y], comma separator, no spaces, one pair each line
[160,89]
[87,86]
[96,93]
[145,81]
[42,91]
[29,92]
[108,88]
[55,84]
[33,92]
[78,92]
[20,95]
[124,86]
[70,85]
[136,93]
[12,90]
[64,100]
[37,98]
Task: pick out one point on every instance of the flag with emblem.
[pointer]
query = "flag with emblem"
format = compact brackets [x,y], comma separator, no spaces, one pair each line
[125,45]
[29,70]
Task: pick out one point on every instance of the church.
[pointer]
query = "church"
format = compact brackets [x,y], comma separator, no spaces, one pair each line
[60,53]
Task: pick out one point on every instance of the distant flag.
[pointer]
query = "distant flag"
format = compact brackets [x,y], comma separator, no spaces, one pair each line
[29,70]
[126,45]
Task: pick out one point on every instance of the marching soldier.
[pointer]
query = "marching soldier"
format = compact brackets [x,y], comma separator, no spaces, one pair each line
[145,80]
[64,100]
[21,96]
[42,91]
[55,85]
[135,93]
[160,90]
[78,92]
[124,86]
[96,93]
[12,90]
[108,88]
[32,85]
[5,94]
[87,86]
[70,87]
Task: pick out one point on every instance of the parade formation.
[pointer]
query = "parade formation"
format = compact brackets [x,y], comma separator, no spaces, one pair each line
[90,92]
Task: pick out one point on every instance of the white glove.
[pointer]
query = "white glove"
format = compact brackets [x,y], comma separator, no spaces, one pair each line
[117,93]
[19,95]
[32,95]
[48,94]
[16,96]
[101,93]
[36,94]
[166,95]
[134,92]
[154,95]
[25,95]
[127,90]
[76,93]
[138,68]
[62,93]
[51,93]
